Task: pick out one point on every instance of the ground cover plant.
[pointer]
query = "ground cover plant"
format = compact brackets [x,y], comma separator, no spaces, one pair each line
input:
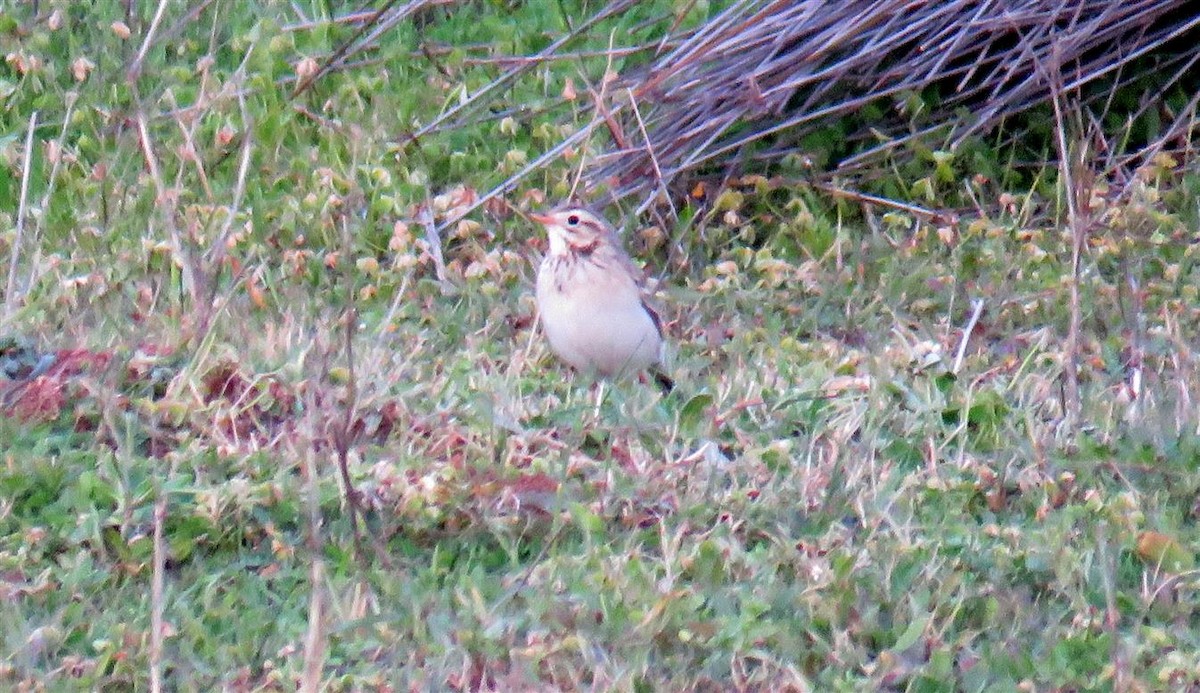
[242,270]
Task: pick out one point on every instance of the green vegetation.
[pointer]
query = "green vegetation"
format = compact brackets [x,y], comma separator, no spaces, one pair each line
[826,502]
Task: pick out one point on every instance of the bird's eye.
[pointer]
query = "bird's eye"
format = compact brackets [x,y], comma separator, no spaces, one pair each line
[573,220]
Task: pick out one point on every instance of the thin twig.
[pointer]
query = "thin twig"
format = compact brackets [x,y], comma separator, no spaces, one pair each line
[220,244]
[433,240]
[512,180]
[157,601]
[344,50]
[60,145]
[660,182]
[314,639]
[219,248]
[344,435]
[160,551]
[599,101]
[557,57]
[1078,236]
[310,24]
[929,215]
[476,100]
[1112,613]
[976,311]
[10,290]
[165,202]
[135,68]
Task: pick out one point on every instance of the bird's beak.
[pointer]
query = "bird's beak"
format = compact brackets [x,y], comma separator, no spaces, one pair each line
[542,218]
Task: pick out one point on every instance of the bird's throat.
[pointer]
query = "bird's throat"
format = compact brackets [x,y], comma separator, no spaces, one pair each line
[561,246]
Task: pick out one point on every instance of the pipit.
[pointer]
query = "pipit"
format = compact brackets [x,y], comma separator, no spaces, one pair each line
[589,294]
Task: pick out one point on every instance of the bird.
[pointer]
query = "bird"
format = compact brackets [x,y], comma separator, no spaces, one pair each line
[591,301]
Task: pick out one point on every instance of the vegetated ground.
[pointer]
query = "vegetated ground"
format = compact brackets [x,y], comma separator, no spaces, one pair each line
[830,500]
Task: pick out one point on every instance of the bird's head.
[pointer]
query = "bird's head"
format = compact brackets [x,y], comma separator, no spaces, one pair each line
[574,228]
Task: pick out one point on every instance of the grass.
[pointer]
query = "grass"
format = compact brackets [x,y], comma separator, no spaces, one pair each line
[824,504]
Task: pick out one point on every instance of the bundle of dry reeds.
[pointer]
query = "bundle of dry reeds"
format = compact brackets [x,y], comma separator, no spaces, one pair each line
[753,81]
[765,73]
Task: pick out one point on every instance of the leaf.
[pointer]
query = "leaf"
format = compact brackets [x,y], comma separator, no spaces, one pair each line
[988,409]
[585,519]
[1160,550]
[729,201]
[693,413]
[708,563]
[911,634]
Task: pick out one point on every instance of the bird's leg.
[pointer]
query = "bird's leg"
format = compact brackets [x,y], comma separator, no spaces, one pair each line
[599,398]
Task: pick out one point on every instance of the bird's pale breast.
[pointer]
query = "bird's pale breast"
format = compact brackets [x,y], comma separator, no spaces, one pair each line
[594,318]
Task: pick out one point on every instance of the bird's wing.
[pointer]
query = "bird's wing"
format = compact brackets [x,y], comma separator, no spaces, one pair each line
[654,317]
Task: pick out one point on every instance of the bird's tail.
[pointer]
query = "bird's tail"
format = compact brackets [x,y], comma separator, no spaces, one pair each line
[664,381]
